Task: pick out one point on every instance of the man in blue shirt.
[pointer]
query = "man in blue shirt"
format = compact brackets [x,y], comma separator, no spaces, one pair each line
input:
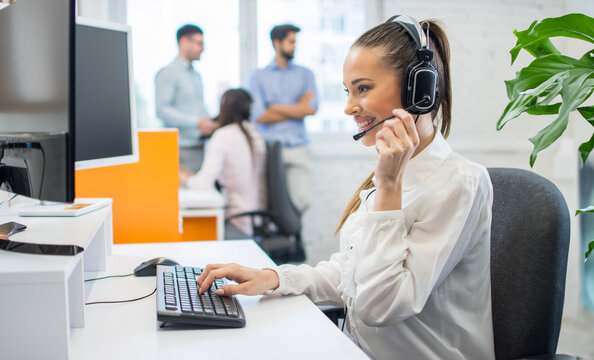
[179,98]
[284,94]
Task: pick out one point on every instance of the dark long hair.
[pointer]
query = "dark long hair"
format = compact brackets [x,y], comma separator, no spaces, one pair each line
[399,50]
[235,108]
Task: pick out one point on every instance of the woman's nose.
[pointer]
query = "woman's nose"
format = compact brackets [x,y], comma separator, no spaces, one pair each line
[352,106]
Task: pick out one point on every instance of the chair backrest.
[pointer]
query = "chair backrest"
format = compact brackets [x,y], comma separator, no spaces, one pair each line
[529,247]
[287,217]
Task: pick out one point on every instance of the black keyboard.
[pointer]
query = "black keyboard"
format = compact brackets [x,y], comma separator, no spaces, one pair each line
[178,300]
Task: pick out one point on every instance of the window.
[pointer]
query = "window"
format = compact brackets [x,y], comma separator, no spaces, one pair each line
[154,25]
[328,28]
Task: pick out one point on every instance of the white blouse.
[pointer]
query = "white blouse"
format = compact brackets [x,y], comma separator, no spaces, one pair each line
[228,160]
[415,282]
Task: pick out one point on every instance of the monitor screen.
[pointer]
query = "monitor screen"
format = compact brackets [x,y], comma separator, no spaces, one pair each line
[105,120]
[36,99]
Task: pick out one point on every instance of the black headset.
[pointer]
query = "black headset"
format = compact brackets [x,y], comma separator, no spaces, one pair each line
[419,81]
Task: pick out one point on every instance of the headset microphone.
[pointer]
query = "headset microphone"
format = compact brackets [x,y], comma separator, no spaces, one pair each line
[358,136]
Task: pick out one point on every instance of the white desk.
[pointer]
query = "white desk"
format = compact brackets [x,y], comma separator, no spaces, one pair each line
[196,203]
[42,296]
[277,327]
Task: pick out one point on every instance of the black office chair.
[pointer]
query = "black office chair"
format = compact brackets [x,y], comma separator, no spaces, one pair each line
[529,247]
[277,229]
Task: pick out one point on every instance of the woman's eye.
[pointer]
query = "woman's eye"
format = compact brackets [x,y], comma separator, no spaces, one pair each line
[363,88]
[346,91]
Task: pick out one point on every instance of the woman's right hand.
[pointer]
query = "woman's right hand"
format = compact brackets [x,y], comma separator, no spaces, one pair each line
[395,143]
[184,175]
[250,281]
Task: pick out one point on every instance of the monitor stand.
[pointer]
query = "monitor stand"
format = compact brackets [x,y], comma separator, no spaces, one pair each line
[80,207]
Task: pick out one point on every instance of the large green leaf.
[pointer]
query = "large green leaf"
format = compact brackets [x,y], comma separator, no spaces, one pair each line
[575,91]
[544,109]
[588,113]
[586,148]
[539,84]
[541,69]
[530,99]
[589,209]
[535,38]
[589,250]
[537,48]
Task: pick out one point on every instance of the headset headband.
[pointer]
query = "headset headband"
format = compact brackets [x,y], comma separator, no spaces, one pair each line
[412,27]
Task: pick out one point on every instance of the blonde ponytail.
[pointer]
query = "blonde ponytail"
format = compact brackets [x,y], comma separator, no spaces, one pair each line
[354,202]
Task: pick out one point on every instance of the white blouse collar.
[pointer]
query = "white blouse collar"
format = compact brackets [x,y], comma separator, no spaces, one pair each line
[425,162]
[422,165]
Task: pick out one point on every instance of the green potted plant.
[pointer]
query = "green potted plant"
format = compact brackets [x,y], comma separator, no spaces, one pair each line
[553,83]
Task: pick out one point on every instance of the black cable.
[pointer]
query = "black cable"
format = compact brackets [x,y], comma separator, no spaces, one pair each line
[121,301]
[371,192]
[107,277]
[346,311]
[42,171]
[359,135]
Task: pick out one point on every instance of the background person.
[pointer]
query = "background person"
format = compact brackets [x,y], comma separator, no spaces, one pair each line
[179,97]
[235,158]
[284,94]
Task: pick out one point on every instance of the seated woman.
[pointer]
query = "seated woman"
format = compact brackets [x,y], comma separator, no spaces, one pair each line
[413,267]
[235,158]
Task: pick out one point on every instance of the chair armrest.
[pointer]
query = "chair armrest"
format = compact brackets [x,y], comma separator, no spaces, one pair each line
[260,229]
[252,214]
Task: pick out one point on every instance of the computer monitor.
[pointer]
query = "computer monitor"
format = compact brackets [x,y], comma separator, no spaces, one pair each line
[105,117]
[37,99]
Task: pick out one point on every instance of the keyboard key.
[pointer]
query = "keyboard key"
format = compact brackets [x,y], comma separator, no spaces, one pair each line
[209,311]
[228,302]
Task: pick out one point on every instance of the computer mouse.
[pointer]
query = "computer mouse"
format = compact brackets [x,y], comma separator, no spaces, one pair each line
[149,267]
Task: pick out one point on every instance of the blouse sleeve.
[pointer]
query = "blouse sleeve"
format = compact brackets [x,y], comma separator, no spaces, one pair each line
[214,159]
[319,283]
[398,269]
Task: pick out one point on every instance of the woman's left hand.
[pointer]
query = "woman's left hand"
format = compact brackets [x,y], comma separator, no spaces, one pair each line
[395,143]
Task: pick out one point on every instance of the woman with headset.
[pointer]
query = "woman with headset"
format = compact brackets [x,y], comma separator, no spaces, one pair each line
[413,267]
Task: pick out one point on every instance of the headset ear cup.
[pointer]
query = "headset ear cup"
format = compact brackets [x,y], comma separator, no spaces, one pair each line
[421,82]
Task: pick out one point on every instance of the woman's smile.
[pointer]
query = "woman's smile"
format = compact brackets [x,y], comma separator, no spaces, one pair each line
[364,122]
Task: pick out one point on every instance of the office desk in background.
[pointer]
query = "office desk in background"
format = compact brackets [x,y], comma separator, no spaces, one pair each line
[202,215]
[289,327]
